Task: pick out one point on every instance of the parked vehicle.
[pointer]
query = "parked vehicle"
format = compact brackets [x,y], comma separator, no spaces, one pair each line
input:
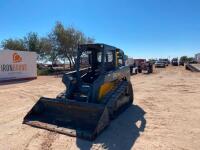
[132,65]
[152,61]
[174,62]
[166,61]
[139,63]
[160,64]
[181,63]
[133,69]
[147,67]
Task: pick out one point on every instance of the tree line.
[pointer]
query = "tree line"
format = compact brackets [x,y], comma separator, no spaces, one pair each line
[186,59]
[60,44]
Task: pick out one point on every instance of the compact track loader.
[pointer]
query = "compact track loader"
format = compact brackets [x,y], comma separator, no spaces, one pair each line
[96,92]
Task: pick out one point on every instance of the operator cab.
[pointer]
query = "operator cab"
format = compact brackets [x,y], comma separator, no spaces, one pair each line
[90,59]
[98,59]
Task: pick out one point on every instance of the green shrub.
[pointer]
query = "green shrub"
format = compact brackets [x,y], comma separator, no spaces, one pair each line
[47,71]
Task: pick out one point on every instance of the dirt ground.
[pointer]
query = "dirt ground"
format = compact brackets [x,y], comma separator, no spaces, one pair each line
[165,115]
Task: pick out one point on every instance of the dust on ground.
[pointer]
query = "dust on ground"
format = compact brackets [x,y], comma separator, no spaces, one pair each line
[165,115]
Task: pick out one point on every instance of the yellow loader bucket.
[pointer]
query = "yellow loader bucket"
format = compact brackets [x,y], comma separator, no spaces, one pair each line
[81,119]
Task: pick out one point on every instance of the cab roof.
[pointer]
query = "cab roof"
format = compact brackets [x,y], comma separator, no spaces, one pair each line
[99,46]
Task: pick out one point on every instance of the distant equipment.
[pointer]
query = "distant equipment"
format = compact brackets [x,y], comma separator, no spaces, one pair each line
[139,63]
[194,67]
[166,61]
[132,65]
[147,67]
[160,64]
[174,62]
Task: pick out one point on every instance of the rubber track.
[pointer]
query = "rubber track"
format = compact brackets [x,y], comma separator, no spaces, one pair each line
[113,96]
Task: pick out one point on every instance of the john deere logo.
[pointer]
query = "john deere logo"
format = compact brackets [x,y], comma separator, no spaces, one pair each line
[16,58]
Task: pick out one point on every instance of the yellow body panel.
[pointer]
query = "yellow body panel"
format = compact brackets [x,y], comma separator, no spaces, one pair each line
[105,88]
[116,59]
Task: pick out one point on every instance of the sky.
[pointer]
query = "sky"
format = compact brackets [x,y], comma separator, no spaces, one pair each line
[142,28]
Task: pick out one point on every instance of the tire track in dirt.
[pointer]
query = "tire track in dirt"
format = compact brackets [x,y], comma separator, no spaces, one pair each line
[49,138]
[41,140]
[30,140]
